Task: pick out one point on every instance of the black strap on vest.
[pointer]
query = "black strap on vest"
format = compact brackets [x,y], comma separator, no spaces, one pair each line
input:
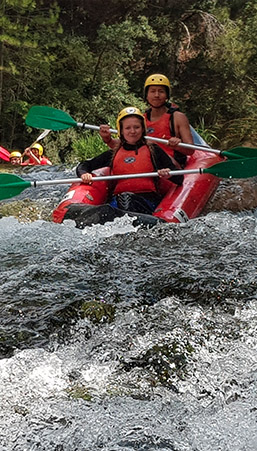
[171,111]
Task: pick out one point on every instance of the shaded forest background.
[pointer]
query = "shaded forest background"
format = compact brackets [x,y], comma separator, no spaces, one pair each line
[90,58]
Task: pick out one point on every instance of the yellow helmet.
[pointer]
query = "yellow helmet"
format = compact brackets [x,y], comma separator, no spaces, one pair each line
[159,80]
[15,154]
[130,111]
[38,147]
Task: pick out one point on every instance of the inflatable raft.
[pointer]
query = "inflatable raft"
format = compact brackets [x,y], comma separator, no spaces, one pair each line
[88,204]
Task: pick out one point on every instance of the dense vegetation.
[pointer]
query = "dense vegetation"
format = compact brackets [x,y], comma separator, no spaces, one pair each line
[91,57]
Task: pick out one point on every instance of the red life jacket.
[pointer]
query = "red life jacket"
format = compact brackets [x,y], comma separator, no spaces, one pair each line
[32,162]
[45,160]
[133,162]
[160,129]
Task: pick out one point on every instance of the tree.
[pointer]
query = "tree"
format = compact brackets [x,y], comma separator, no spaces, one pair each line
[27,38]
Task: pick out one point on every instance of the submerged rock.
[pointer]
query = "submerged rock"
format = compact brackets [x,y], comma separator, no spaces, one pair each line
[98,311]
[25,210]
[234,195]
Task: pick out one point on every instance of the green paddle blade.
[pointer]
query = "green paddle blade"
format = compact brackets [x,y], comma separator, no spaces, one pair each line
[237,169]
[12,185]
[240,152]
[49,118]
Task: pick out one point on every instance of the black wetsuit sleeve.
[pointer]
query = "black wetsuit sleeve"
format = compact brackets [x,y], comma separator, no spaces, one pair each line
[101,161]
[162,161]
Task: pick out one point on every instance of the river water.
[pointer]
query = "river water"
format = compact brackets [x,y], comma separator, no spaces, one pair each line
[120,338]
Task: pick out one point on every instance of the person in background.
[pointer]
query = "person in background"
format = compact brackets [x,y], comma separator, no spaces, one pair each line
[133,156]
[15,158]
[34,155]
[163,120]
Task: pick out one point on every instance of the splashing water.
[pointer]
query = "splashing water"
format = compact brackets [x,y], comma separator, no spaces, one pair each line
[117,338]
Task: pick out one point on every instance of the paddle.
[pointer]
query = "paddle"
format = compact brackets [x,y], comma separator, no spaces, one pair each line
[11,185]
[4,154]
[54,119]
[41,136]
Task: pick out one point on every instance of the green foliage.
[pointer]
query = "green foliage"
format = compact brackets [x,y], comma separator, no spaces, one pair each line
[220,83]
[206,133]
[92,65]
[232,51]
[27,38]
[20,5]
[240,131]
[58,146]
[120,40]
[107,98]
[88,146]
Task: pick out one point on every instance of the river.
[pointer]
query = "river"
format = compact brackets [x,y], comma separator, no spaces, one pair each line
[120,338]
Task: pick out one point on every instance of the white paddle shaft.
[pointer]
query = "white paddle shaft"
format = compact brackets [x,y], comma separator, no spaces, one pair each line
[114,177]
[159,140]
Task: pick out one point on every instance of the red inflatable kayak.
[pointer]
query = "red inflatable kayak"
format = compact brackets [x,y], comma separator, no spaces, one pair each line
[86,204]
[4,154]
[187,201]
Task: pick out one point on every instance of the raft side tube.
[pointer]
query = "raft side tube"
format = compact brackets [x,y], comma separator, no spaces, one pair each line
[80,193]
